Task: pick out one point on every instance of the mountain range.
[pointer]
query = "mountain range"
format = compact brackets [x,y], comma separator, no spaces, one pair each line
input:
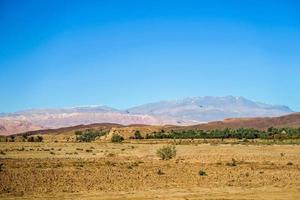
[206,109]
[187,111]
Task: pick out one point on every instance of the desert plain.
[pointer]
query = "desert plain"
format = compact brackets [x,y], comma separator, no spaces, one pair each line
[201,169]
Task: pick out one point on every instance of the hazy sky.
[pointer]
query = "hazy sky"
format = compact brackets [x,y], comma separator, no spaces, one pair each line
[125,53]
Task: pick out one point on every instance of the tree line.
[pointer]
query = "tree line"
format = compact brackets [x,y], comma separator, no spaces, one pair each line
[241,133]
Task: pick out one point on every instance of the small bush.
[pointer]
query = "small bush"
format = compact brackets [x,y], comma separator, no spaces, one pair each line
[58,165]
[3,138]
[79,164]
[12,138]
[233,163]
[21,149]
[160,172]
[166,152]
[39,139]
[45,149]
[132,165]
[110,163]
[117,138]
[35,139]
[137,135]
[219,163]
[245,140]
[289,163]
[78,132]
[110,155]
[202,173]
[1,167]
[129,167]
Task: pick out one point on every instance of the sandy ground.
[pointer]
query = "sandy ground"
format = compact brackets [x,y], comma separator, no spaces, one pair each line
[133,171]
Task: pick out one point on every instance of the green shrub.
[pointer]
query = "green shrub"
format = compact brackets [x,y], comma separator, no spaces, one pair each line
[137,135]
[202,173]
[35,139]
[39,139]
[78,132]
[117,138]
[1,167]
[3,138]
[166,152]
[12,138]
[88,135]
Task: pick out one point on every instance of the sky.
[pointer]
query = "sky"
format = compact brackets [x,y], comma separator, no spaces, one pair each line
[64,53]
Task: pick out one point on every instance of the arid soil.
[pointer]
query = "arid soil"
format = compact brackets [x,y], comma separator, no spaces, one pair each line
[133,171]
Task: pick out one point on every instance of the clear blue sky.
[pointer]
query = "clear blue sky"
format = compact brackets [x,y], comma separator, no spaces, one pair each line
[125,53]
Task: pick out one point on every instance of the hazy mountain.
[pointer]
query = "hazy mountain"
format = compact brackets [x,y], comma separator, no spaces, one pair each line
[177,112]
[79,109]
[56,118]
[11,126]
[205,109]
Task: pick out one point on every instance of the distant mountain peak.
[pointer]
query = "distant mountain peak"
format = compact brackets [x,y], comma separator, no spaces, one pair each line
[210,108]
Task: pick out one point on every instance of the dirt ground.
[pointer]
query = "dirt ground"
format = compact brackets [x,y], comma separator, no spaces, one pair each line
[133,171]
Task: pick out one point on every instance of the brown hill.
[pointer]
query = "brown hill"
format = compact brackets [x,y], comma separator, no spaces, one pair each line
[292,120]
[72,129]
